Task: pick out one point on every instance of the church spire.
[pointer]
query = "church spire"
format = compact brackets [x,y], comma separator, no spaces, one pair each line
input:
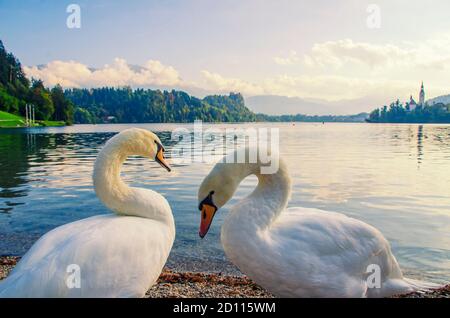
[422,95]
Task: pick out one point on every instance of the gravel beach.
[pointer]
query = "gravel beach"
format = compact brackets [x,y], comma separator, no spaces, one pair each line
[183,284]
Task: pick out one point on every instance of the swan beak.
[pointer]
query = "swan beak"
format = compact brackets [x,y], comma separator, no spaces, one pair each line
[159,158]
[208,213]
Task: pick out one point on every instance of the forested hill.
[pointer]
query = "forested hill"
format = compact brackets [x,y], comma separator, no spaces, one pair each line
[124,105]
[16,91]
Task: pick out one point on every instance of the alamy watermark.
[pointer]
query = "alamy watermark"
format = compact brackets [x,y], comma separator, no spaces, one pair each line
[73,20]
[73,279]
[374,18]
[252,145]
[373,280]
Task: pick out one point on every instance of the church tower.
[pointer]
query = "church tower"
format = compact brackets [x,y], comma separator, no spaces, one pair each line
[422,96]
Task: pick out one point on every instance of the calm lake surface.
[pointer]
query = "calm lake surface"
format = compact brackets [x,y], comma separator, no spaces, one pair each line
[394,177]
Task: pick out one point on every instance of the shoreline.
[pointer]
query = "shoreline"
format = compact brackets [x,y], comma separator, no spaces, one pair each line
[187,284]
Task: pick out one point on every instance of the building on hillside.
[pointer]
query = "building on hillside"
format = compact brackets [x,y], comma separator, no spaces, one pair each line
[422,96]
[412,103]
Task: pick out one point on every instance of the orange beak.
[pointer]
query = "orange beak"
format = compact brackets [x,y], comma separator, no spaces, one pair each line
[208,213]
[159,158]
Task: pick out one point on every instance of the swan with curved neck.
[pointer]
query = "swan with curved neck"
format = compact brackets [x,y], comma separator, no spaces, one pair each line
[114,255]
[297,252]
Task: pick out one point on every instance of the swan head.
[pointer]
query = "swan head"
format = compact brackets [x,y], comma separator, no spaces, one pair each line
[215,191]
[143,143]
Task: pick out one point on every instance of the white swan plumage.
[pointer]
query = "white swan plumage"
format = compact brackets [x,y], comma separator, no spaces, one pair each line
[297,252]
[115,255]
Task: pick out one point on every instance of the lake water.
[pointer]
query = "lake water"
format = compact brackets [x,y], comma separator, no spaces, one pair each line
[394,177]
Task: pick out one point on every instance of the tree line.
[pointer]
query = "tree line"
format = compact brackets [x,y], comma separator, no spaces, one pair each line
[358,118]
[16,90]
[399,113]
[125,105]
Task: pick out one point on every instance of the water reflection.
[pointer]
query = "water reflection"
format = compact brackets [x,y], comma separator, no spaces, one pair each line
[14,150]
[419,144]
[366,171]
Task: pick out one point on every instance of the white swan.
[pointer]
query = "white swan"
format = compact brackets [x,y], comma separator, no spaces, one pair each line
[297,252]
[112,255]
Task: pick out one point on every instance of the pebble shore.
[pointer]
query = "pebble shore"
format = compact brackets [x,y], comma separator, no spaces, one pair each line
[210,285]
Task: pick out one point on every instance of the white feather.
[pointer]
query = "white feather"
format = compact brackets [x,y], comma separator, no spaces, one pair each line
[118,255]
[300,252]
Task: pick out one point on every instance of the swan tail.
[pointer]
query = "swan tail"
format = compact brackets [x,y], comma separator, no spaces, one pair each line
[421,286]
[401,286]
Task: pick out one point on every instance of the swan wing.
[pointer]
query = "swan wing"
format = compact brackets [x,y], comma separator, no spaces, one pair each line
[327,254]
[117,256]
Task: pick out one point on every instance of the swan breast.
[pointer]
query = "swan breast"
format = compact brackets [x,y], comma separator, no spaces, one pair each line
[125,262]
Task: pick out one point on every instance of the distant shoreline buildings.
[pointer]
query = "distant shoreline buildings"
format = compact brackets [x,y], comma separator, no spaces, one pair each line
[436,110]
[411,105]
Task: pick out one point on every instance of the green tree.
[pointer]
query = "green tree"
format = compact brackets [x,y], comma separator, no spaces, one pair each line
[41,98]
[83,116]
[398,113]
[15,92]
[63,108]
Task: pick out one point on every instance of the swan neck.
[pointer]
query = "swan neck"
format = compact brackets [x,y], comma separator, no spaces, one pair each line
[118,196]
[270,197]
[265,203]
[109,186]
[253,216]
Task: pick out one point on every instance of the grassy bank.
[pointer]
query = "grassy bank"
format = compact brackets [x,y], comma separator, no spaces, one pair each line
[8,120]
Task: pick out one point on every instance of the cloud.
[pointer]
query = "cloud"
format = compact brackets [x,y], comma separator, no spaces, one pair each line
[439,64]
[333,87]
[290,60]
[433,54]
[119,73]
[342,52]
[332,71]
[218,83]
[324,87]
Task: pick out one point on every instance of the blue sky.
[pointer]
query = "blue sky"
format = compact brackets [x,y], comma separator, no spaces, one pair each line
[311,49]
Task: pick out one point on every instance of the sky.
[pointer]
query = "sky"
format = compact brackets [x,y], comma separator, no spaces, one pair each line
[377,50]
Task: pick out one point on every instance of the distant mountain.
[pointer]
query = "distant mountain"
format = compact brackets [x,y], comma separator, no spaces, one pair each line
[282,105]
[358,118]
[444,99]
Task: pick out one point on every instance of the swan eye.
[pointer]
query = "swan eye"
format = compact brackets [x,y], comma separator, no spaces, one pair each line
[208,200]
[160,147]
